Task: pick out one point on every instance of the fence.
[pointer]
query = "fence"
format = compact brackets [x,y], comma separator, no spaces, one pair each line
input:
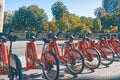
[22,36]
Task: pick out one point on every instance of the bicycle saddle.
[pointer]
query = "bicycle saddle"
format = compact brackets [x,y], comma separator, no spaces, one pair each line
[55,37]
[100,39]
[46,40]
[112,37]
[105,37]
[3,38]
[69,43]
[33,38]
[12,38]
[86,38]
[72,37]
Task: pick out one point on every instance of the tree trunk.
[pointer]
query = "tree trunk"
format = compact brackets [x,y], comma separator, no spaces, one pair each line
[1,14]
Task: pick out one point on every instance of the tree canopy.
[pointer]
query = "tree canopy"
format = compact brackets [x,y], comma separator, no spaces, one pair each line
[30,17]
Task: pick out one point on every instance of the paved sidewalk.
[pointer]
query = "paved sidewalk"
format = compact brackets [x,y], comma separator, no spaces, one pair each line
[102,73]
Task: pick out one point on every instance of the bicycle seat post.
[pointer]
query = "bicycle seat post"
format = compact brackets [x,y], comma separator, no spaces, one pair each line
[10,48]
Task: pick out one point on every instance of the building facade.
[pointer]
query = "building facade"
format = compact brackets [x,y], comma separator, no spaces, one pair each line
[110,5]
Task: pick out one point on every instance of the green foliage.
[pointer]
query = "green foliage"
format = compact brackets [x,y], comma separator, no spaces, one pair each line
[87,24]
[58,10]
[52,26]
[111,29]
[35,18]
[31,17]
[73,23]
[7,22]
[96,26]
[109,20]
[99,12]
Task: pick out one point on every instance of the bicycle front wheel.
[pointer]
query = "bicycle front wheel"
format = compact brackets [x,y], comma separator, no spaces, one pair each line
[107,55]
[74,61]
[15,72]
[92,58]
[51,65]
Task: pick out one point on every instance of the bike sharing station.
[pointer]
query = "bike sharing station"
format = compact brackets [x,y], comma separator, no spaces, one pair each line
[74,54]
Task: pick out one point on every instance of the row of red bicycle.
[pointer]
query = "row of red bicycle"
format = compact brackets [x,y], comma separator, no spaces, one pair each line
[84,53]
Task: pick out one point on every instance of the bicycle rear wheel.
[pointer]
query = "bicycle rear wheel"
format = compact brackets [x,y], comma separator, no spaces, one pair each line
[51,65]
[74,61]
[15,68]
[107,55]
[92,58]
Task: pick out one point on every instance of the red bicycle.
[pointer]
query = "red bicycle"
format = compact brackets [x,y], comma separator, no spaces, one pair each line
[113,43]
[90,54]
[107,54]
[9,62]
[3,56]
[71,56]
[48,61]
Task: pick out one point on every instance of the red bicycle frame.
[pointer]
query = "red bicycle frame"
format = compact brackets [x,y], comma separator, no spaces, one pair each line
[114,45]
[4,56]
[81,46]
[32,44]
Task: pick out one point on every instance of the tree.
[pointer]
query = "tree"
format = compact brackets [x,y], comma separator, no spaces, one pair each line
[52,26]
[96,25]
[7,22]
[61,14]
[99,12]
[87,24]
[109,20]
[31,17]
[58,10]
[111,29]
[73,23]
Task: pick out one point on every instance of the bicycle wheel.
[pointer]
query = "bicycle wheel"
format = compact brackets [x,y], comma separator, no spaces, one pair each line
[51,66]
[15,72]
[74,61]
[107,55]
[92,58]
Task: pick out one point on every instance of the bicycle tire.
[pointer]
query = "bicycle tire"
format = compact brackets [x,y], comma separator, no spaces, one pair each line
[73,63]
[50,66]
[94,57]
[104,49]
[16,71]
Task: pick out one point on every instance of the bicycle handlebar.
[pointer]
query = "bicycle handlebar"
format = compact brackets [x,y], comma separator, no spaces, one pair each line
[5,36]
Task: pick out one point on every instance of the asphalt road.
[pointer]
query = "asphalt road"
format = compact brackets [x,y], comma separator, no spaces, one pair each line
[102,73]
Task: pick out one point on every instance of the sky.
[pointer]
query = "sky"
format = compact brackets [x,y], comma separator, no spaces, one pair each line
[78,7]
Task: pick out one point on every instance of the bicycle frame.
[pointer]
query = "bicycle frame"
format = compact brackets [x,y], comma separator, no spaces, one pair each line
[4,49]
[32,44]
[114,45]
[82,45]
[54,44]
